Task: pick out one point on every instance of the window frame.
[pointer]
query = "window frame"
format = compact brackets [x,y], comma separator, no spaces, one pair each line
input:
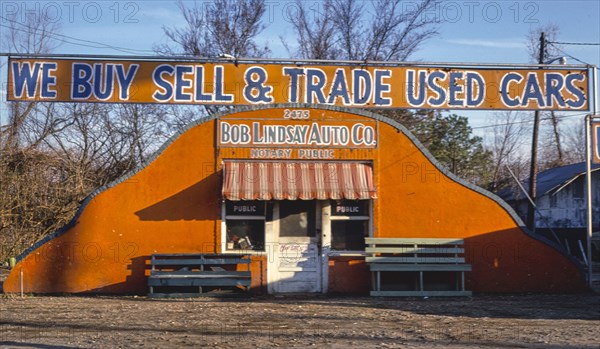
[349,253]
[226,217]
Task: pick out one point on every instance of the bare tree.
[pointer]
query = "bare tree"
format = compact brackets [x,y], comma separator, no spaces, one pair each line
[574,141]
[551,31]
[210,30]
[32,33]
[141,126]
[218,27]
[505,143]
[316,38]
[31,198]
[356,30]
[52,155]
[234,26]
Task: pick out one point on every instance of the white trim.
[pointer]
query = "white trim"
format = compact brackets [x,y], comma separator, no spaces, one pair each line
[239,218]
[323,214]
[223,228]
[233,218]
[344,253]
[272,245]
[251,252]
[371,220]
[336,253]
[350,218]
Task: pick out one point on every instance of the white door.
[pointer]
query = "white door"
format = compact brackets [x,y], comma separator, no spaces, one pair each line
[297,255]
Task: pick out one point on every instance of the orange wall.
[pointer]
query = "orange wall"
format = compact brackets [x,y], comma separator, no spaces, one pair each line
[174,203]
[417,200]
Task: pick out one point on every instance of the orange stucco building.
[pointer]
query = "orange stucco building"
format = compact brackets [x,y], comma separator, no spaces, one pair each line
[263,179]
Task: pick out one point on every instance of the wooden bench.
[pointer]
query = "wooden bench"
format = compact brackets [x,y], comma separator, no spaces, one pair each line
[172,273]
[417,256]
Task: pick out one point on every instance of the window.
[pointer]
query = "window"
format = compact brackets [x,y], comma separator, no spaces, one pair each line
[245,224]
[578,188]
[553,200]
[349,235]
[349,224]
[297,218]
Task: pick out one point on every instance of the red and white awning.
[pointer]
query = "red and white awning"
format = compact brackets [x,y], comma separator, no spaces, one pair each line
[266,180]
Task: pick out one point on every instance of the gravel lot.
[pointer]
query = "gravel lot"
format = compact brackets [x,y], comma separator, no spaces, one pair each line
[483,321]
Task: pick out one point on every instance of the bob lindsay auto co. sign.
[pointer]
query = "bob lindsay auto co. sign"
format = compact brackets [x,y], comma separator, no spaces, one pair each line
[252,83]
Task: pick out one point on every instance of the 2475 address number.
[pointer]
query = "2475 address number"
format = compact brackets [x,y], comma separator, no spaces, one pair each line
[296,114]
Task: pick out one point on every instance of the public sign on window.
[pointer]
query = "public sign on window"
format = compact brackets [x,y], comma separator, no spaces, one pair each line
[252,83]
[245,208]
[350,208]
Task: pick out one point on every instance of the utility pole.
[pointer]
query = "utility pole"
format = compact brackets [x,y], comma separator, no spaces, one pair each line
[534,151]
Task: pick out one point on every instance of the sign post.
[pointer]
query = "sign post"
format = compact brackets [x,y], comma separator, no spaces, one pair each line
[592,137]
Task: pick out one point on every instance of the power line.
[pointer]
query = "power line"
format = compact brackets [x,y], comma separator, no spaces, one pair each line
[527,121]
[574,43]
[66,39]
[566,54]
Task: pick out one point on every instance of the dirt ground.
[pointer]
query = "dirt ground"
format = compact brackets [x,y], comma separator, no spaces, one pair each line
[483,321]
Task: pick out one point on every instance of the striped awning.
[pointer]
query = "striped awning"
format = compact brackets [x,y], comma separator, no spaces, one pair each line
[256,180]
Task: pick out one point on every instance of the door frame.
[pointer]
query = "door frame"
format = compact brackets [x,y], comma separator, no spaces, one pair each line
[272,237]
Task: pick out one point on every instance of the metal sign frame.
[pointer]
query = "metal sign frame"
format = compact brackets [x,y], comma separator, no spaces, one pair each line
[589,122]
[362,84]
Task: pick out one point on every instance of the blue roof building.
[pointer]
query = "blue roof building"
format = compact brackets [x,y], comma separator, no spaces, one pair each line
[561,197]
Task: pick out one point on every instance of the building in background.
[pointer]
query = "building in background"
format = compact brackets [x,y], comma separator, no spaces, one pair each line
[561,205]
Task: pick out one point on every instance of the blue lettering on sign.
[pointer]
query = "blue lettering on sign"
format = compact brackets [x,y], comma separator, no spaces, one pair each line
[26,79]
[165,87]
[432,81]
[475,79]
[339,88]
[381,87]
[464,88]
[200,95]
[220,95]
[255,90]
[294,74]
[106,79]
[363,87]
[505,88]
[182,83]
[455,88]
[315,82]
[125,79]
[412,84]
[359,91]
[82,75]
[554,83]
[574,90]
[532,91]
[546,94]
[101,80]
[48,80]
[177,83]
